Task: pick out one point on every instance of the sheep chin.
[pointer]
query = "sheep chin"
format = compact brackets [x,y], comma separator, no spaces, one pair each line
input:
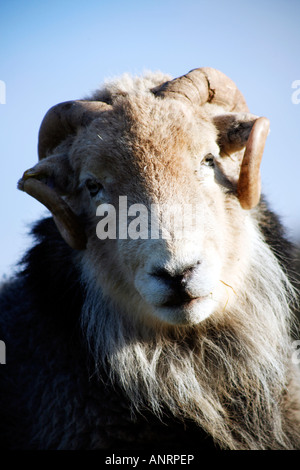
[190,313]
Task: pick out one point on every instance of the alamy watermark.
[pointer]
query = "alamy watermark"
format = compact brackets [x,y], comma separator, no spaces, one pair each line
[2,353]
[2,92]
[179,221]
[296,93]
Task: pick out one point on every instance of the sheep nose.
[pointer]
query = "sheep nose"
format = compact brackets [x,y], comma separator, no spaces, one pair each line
[178,281]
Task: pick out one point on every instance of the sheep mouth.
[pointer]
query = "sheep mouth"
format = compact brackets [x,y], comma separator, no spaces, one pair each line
[184,311]
[181,301]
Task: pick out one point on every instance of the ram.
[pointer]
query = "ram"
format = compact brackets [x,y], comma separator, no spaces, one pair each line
[121,336]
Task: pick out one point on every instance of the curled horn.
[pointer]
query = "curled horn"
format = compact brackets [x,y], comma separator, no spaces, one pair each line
[208,85]
[67,221]
[205,85]
[249,184]
[61,121]
[64,119]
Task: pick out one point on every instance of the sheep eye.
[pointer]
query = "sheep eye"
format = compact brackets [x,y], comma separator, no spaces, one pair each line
[209,160]
[93,187]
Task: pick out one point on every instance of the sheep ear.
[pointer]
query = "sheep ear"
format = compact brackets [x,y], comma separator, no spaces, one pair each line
[238,131]
[47,182]
[233,131]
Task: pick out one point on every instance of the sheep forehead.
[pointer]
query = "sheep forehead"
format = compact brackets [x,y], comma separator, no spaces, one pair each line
[144,133]
[131,84]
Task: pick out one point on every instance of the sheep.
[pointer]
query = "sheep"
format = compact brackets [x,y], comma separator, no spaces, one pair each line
[149,342]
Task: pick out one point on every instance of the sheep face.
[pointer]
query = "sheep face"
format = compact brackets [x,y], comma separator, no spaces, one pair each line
[175,195]
[155,184]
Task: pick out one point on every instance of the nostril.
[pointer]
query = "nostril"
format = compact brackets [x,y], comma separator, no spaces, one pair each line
[168,278]
[178,292]
[158,272]
[176,280]
[163,273]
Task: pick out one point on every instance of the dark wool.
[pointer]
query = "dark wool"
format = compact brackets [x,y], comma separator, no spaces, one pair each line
[49,397]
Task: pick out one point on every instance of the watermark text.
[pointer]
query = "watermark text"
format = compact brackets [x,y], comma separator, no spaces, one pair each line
[155,459]
[2,353]
[296,93]
[138,221]
[2,92]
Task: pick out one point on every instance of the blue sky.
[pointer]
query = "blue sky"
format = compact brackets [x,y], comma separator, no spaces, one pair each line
[52,51]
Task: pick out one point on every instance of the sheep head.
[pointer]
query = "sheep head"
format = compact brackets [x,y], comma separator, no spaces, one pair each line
[186,142]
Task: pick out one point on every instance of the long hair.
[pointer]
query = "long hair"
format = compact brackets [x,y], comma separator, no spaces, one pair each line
[228,374]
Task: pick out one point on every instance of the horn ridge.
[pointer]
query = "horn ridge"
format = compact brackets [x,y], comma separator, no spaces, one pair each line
[204,85]
[191,86]
[65,119]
